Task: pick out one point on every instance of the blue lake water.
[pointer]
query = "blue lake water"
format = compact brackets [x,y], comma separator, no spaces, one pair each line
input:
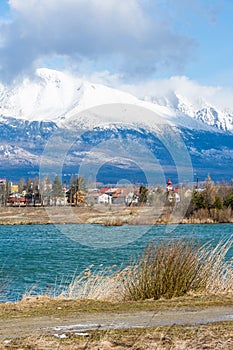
[35,256]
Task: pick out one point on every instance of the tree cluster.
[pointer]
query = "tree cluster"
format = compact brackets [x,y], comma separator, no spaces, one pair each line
[211,197]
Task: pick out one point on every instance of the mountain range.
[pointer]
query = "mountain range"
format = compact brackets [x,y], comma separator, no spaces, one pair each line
[96,125]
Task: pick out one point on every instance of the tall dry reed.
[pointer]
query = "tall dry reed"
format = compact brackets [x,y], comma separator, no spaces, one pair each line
[175,268]
[167,269]
[96,283]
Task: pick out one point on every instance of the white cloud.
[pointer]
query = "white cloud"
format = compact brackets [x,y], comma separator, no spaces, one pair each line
[123,34]
[218,96]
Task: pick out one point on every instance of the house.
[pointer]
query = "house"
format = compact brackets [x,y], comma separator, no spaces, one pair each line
[16,200]
[104,190]
[132,199]
[174,197]
[119,196]
[173,193]
[105,199]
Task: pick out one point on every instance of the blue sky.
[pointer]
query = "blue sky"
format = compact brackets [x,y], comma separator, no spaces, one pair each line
[4,8]
[134,40]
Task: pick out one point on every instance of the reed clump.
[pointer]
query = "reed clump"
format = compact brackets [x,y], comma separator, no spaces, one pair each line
[113,221]
[176,268]
[164,270]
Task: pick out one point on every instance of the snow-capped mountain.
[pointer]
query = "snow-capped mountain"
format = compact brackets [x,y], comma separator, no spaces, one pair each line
[56,96]
[54,102]
[199,110]
[45,97]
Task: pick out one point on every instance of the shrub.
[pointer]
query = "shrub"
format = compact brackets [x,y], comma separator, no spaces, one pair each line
[173,269]
[165,270]
[229,200]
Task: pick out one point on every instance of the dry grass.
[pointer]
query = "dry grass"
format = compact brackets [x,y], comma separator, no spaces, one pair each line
[164,270]
[179,267]
[44,306]
[224,215]
[215,336]
[96,284]
[218,271]
[113,221]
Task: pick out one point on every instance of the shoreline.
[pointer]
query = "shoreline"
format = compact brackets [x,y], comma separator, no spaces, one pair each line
[117,216]
[126,224]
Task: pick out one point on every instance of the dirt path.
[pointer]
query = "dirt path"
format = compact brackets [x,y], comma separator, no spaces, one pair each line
[82,322]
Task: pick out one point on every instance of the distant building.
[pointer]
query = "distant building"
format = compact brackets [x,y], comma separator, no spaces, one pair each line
[14,188]
[105,199]
[169,185]
[173,193]
[132,199]
[174,197]
[119,196]
[2,181]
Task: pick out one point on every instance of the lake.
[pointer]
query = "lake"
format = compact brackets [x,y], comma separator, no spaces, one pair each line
[36,256]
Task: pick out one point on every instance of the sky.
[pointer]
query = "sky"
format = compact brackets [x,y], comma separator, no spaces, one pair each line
[133,43]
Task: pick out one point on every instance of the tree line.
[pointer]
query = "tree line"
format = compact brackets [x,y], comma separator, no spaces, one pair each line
[34,190]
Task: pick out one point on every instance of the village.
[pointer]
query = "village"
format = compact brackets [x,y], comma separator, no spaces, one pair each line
[205,199]
[47,193]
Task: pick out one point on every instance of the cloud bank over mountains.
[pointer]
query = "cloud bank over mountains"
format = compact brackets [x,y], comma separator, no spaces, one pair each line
[182,85]
[123,35]
[115,42]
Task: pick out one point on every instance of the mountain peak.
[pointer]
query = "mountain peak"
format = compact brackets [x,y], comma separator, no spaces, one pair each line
[52,95]
[198,109]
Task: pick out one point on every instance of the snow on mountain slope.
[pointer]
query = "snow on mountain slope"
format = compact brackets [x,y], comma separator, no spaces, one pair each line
[46,97]
[59,97]
[17,156]
[214,117]
[96,95]
[55,96]
[199,110]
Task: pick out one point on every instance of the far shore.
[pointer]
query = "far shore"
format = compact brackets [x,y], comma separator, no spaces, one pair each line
[106,216]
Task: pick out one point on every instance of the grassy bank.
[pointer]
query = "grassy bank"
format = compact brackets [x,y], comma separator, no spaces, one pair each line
[45,306]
